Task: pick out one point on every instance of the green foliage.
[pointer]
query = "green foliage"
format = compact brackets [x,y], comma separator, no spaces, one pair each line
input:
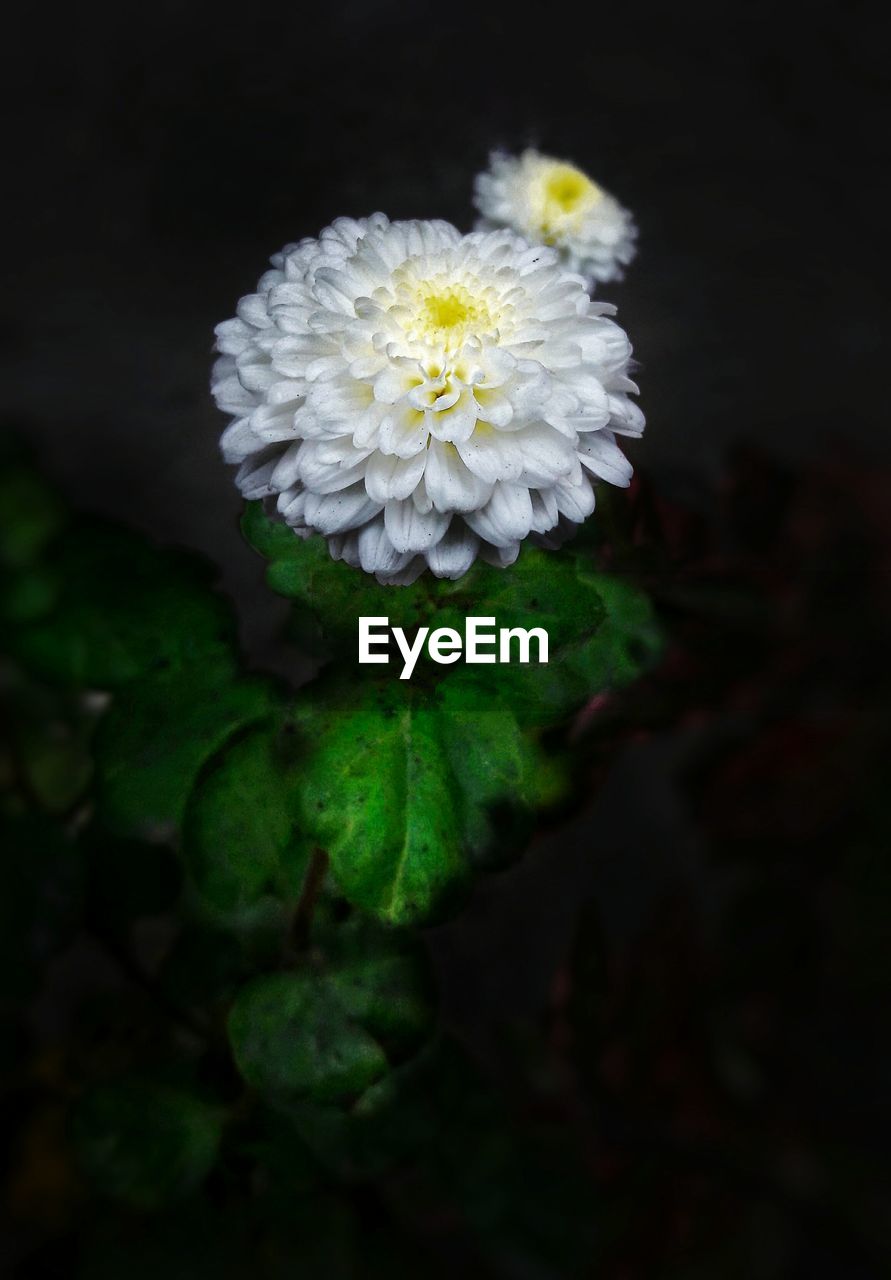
[30,515]
[602,630]
[159,734]
[326,1033]
[145,1141]
[122,609]
[395,848]
[404,849]
[241,838]
[176,815]
[457,745]
[337,595]
[48,734]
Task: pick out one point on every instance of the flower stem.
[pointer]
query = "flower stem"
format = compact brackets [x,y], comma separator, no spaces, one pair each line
[309,893]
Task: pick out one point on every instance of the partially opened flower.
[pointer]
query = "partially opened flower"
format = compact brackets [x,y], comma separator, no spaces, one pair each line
[554,203]
[420,397]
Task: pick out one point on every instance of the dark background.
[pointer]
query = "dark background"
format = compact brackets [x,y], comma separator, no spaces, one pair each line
[157,156]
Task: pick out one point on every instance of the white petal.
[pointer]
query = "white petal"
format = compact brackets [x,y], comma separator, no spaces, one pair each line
[329,477]
[493,455]
[507,516]
[406,576]
[274,423]
[450,484]
[412,530]
[544,510]
[377,553]
[287,470]
[291,504]
[627,419]
[233,336]
[494,407]
[337,512]
[501,557]
[387,476]
[456,422]
[599,452]
[403,431]
[547,455]
[575,501]
[238,441]
[254,475]
[455,553]
[232,397]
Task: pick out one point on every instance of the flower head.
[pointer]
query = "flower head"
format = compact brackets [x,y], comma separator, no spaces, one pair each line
[551,202]
[420,397]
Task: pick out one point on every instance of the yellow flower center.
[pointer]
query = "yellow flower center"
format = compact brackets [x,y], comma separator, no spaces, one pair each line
[566,187]
[445,310]
[445,314]
[564,195]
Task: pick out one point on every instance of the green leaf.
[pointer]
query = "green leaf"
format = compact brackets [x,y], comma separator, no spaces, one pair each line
[601,630]
[240,836]
[49,737]
[27,594]
[501,774]
[403,788]
[159,734]
[382,800]
[327,1034]
[602,634]
[628,642]
[303,570]
[123,609]
[146,1142]
[381,979]
[290,1038]
[57,762]
[30,515]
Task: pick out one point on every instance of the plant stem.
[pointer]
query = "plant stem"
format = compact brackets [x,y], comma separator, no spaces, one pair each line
[309,893]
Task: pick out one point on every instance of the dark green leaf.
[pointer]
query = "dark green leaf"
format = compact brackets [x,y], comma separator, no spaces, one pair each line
[401,788]
[303,570]
[601,630]
[30,515]
[159,734]
[124,609]
[602,634]
[381,798]
[325,1034]
[146,1142]
[501,774]
[27,594]
[240,835]
[49,737]
[291,1037]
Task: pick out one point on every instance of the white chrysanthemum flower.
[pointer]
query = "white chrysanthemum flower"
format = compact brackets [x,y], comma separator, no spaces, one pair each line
[419,397]
[552,202]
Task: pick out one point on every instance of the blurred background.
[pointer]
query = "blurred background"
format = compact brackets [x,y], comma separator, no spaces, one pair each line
[683,985]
